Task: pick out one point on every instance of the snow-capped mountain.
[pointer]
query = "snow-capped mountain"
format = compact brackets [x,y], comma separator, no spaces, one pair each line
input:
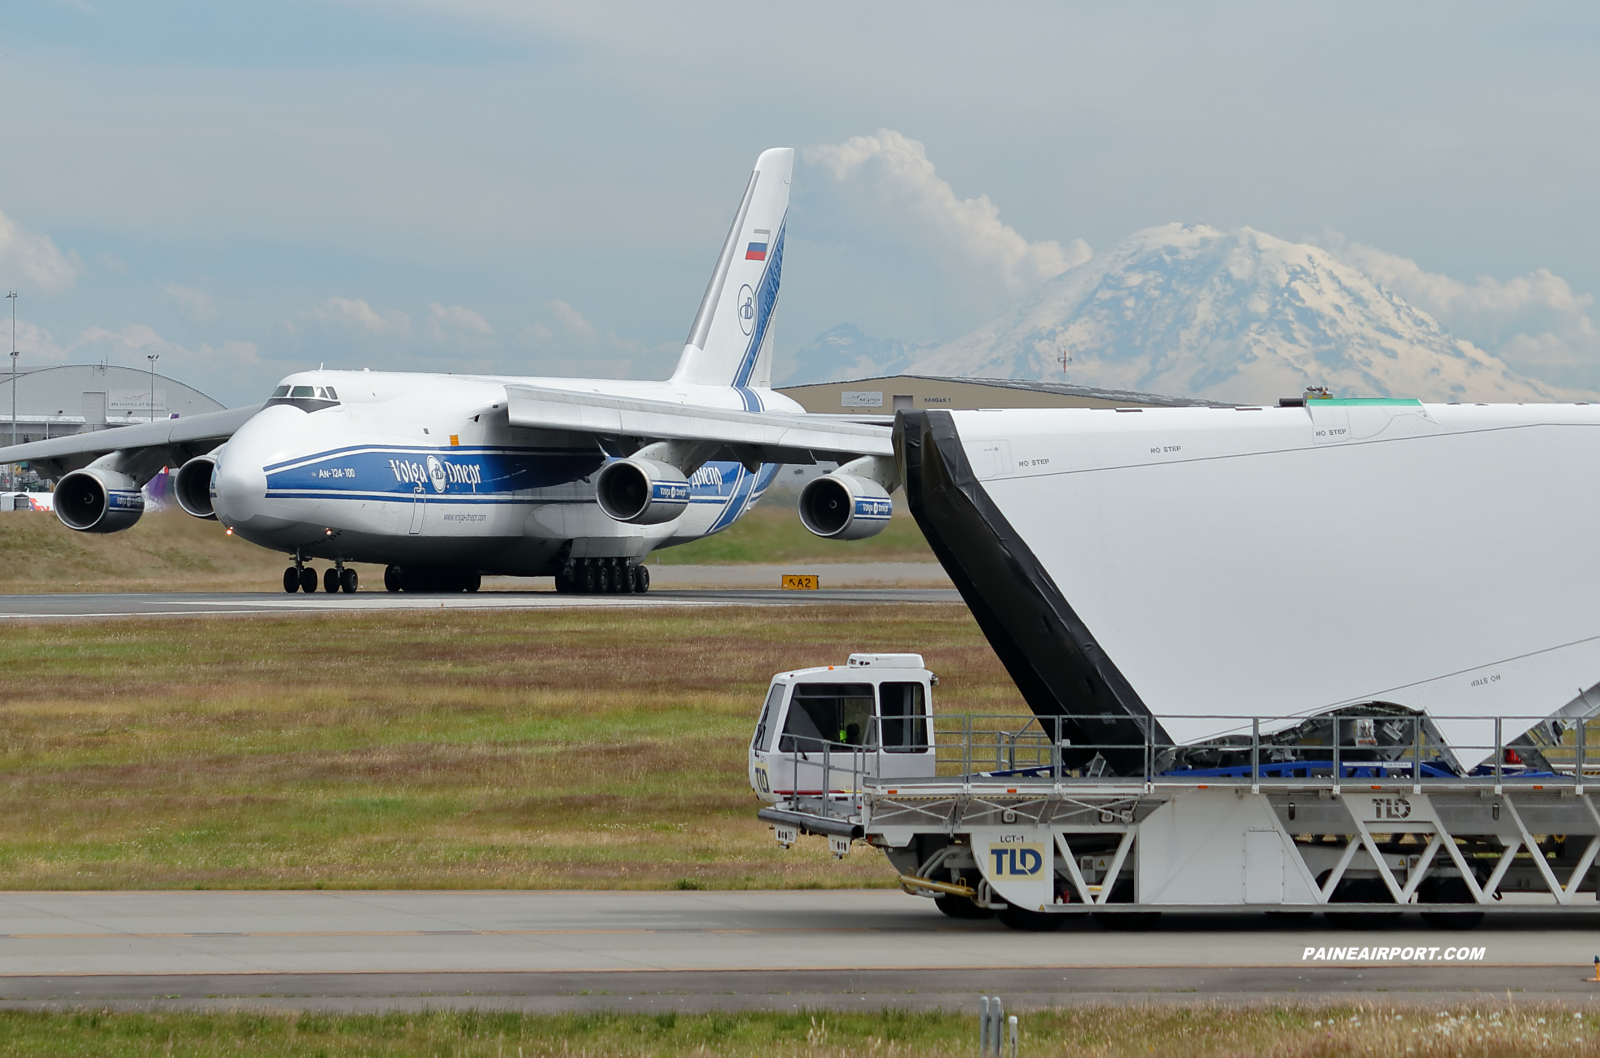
[844,352]
[1188,310]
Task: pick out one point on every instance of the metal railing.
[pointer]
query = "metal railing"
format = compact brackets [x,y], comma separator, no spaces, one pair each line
[1350,745]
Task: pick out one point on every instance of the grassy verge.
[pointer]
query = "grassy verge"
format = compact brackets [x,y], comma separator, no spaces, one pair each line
[174,552]
[578,748]
[1279,1031]
[162,552]
[774,534]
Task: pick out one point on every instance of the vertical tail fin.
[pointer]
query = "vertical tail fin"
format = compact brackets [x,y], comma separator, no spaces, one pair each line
[730,342]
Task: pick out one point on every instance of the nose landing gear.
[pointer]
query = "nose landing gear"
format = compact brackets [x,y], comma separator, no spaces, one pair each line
[301,577]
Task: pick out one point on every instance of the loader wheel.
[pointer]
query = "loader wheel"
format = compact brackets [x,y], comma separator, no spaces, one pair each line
[1449,891]
[1013,917]
[1122,893]
[1361,891]
[961,907]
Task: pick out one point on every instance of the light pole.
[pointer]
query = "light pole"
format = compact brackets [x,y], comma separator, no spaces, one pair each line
[12,298]
[153,357]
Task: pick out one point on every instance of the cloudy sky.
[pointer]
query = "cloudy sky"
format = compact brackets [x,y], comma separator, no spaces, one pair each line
[251,188]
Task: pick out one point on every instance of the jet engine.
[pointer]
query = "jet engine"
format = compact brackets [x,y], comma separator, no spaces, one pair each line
[98,500]
[192,486]
[641,491]
[850,503]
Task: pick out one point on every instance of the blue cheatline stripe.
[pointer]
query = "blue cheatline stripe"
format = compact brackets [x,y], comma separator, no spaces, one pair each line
[403,497]
[746,490]
[766,300]
[741,488]
[466,450]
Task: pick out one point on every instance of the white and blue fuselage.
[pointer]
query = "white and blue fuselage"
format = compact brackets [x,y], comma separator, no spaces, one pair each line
[409,468]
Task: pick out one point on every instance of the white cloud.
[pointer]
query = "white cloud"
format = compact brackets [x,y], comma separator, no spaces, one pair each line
[1536,323]
[457,319]
[568,343]
[897,189]
[357,315]
[30,259]
[195,304]
[129,346]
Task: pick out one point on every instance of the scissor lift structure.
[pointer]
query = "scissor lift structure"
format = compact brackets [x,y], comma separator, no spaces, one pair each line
[1373,817]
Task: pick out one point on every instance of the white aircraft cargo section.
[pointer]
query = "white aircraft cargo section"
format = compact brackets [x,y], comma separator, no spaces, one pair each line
[1281,561]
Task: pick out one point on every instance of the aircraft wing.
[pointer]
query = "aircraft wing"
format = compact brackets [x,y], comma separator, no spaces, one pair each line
[753,436]
[183,437]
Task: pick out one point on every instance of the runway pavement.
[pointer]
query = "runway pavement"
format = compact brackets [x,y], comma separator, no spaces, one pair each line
[29,607]
[723,950]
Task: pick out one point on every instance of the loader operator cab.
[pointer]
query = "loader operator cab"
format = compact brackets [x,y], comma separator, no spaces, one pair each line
[830,728]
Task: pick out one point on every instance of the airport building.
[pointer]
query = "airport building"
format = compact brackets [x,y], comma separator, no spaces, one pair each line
[77,398]
[894,393]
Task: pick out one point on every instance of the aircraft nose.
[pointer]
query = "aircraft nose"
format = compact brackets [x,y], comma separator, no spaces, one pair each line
[241,486]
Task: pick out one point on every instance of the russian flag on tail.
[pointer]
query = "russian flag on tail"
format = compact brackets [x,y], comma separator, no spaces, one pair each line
[757,251]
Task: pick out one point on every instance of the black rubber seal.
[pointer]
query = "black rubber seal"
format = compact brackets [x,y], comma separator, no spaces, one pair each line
[1048,650]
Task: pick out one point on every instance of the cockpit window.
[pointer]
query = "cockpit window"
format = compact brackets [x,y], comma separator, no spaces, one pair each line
[828,712]
[306,398]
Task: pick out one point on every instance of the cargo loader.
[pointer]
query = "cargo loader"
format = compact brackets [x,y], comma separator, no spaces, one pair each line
[1361,814]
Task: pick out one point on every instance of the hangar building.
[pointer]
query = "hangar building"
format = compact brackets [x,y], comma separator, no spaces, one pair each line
[74,398]
[894,393]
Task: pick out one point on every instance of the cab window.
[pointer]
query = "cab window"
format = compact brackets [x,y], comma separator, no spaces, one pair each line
[281,391]
[302,391]
[905,717]
[828,712]
[765,729]
[332,395]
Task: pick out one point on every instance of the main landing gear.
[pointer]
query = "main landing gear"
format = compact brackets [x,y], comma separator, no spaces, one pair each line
[301,577]
[592,576]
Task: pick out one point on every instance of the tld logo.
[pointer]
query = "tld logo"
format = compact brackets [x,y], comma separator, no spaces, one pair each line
[1391,807]
[1017,861]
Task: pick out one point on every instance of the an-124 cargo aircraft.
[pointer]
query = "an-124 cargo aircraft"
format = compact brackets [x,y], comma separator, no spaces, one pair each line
[443,478]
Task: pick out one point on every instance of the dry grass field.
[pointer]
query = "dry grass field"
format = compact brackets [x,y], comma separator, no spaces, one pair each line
[171,551]
[571,748]
[1134,1031]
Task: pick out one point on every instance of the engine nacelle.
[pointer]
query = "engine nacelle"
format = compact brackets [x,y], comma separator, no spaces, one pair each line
[97,500]
[641,491]
[845,507]
[192,485]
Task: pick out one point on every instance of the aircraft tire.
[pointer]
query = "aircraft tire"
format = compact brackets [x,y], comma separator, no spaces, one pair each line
[391,578]
[349,581]
[586,579]
[641,579]
[563,582]
[291,580]
[331,581]
[473,581]
[602,580]
[308,580]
